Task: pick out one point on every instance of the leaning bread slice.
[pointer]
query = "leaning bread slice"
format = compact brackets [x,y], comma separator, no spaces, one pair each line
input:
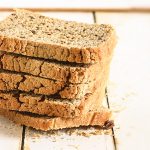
[93,118]
[72,73]
[31,34]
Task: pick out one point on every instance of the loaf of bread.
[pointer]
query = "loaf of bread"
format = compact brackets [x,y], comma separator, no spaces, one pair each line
[94,118]
[53,73]
[31,34]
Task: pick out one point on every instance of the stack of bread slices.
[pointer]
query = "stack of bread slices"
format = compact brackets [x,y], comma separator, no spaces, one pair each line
[53,73]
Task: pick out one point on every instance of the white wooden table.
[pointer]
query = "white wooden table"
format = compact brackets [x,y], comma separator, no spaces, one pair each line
[128,92]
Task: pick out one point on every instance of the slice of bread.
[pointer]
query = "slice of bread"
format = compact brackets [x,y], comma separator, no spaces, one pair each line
[31,34]
[66,72]
[53,106]
[94,118]
[10,81]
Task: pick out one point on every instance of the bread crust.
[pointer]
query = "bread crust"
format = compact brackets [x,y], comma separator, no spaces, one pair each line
[52,70]
[16,81]
[19,44]
[53,107]
[98,118]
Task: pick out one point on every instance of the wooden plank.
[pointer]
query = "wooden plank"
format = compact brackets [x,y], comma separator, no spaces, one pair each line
[129,95]
[62,140]
[73,16]
[10,135]
[36,140]
[78,5]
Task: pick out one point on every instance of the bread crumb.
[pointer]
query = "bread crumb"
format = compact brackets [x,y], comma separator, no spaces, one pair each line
[88,131]
[81,131]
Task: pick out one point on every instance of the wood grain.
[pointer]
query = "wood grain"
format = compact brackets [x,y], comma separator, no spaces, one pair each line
[129,95]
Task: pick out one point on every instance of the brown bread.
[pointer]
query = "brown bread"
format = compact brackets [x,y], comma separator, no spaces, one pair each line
[51,70]
[15,81]
[31,34]
[50,106]
[94,118]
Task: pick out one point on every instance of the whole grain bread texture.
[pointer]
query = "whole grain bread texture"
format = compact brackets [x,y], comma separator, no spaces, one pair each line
[15,81]
[93,118]
[66,72]
[31,34]
[49,106]
[53,106]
